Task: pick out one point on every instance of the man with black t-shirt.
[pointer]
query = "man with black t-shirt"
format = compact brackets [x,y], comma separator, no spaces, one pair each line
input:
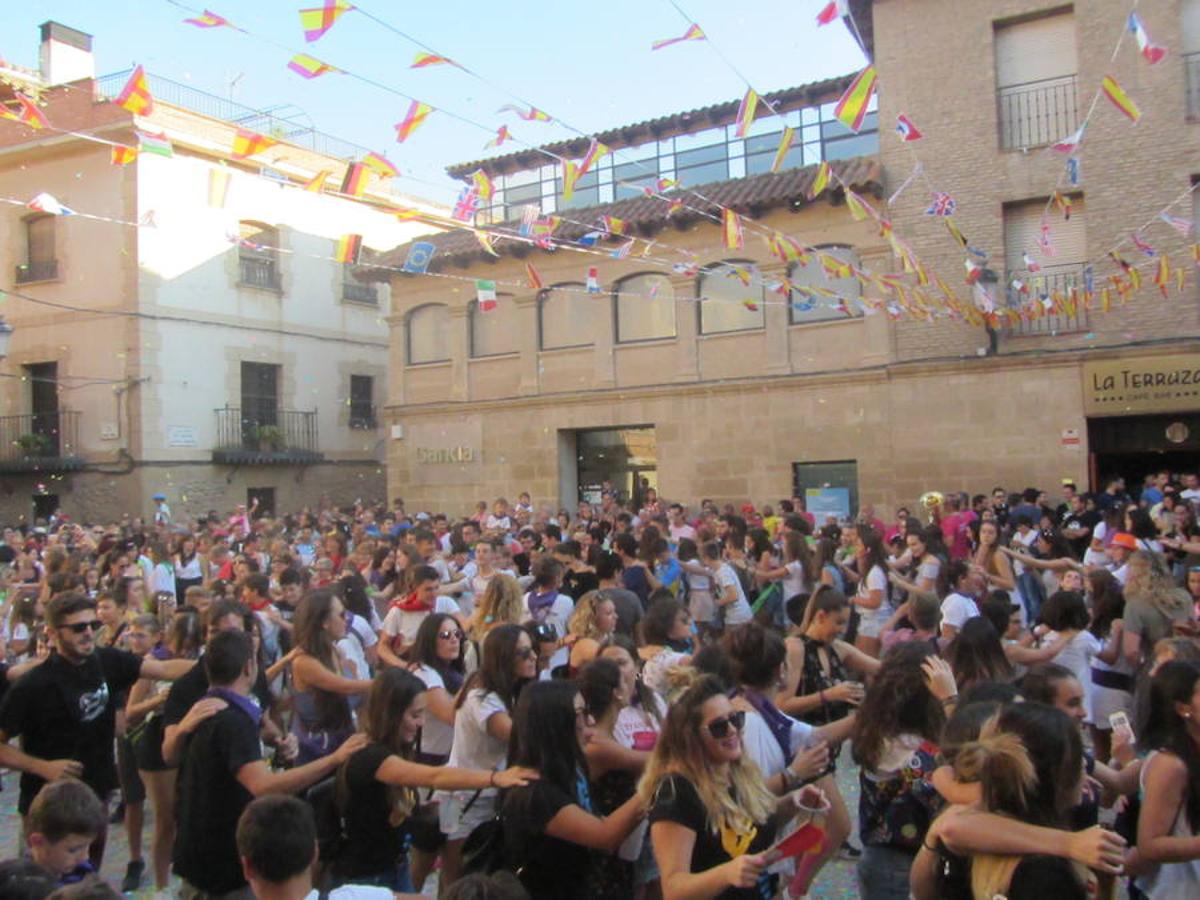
[223,771]
[64,710]
[1077,524]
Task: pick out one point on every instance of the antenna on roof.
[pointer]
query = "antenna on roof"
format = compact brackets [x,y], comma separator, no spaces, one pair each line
[231,85]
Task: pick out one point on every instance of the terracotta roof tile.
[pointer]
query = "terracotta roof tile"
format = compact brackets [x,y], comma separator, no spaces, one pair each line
[751,196]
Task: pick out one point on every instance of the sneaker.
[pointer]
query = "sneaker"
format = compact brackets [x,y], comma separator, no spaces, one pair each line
[133,876]
[849,852]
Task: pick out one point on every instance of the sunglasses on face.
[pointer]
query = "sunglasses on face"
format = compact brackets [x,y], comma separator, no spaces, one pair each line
[81,627]
[527,653]
[450,635]
[719,728]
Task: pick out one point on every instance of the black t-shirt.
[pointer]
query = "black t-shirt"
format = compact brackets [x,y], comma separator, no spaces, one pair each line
[192,687]
[66,711]
[1037,877]
[550,867]
[576,584]
[677,800]
[211,799]
[372,846]
[1088,519]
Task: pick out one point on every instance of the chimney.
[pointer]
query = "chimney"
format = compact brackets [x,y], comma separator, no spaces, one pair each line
[66,54]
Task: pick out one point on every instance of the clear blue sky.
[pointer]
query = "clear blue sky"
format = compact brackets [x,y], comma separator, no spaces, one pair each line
[589,64]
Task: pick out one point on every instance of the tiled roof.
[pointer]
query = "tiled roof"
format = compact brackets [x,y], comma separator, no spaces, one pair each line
[654,129]
[644,215]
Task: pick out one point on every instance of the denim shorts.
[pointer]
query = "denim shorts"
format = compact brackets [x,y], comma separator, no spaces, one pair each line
[883,873]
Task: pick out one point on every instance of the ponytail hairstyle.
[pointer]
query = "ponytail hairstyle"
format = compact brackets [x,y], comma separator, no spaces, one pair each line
[1172,686]
[898,702]
[826,599]
[738,800]
[796,549]
[756,655]
[976,654]
[496,673]
[597,682]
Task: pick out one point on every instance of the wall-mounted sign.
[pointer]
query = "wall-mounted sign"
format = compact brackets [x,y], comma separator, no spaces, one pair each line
[426,455]
[182,436]
[1128,387]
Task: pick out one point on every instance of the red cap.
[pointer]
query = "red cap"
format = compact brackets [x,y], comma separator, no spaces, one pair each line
[1124,539]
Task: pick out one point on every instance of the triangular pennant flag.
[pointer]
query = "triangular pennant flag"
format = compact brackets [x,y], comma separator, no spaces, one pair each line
[851,109]
[1151,51]
[1117,96]
[156,144]
[785,144]
[820,181]
[316,22]
[380,165]
[135,96]
[123,156]
[250,143]
[354,182]
[692,34]
[533,114]
[46,203]
[906,129]
[483,185]
[745,113]
[308,66]
[593,280]
[422,60]
[209,20]
[417,113]
[502,135]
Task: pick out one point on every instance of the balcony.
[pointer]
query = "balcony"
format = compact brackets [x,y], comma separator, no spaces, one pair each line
[41,270]
[362,418]
[1050,282]
[40,442]
[1191,62]
[356,292]
[258,272]
[1038,112]
[275,437]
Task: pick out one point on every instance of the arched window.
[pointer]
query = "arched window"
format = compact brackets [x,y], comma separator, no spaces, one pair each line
[727,301]
[429,334]
[564,316]
[258,255]
[494,331]
[645,308]
[813,307]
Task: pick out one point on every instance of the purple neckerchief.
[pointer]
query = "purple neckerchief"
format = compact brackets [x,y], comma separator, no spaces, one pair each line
[242,702]
[539,604]
[160,652]
[779,724]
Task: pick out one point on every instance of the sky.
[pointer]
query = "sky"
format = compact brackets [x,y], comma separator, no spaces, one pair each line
[589,65]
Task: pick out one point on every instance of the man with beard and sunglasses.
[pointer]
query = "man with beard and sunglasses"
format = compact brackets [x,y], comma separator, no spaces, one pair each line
[64,710]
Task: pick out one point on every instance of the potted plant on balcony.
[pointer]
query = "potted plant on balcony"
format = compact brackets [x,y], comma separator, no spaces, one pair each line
[270,438]
[34,445]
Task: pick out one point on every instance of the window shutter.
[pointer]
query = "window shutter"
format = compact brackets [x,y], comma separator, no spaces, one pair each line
[1023,227]
[1035,50]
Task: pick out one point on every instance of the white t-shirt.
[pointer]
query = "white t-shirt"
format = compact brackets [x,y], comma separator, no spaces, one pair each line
[738,612]
[436,736]
[1077,656]
[559,613]
[876,580]
[473,747]
[634,719]
[359,639]
[760,744]
[498,523]
[957,608]
[794,580]
[354,892]
[400,622]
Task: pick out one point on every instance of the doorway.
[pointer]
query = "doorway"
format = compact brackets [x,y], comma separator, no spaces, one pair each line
[266,501]
[623,460]
[1135,446]
[44,506]
[829,489]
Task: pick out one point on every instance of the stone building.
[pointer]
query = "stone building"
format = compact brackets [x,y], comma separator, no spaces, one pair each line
[703,386]
[189,331]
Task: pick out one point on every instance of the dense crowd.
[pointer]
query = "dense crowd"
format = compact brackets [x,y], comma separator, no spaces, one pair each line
[631,700]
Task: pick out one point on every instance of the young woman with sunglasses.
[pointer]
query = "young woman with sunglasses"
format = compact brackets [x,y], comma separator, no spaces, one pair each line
[482,726]
[436,657]
[552,825]
[376,789]
[712,816]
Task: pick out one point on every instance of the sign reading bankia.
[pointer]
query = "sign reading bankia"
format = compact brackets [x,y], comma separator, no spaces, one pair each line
[445,452]
[426,455]
[1129,387]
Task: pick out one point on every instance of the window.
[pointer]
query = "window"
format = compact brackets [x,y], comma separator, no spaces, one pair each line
[1035,81]
[702,165]
[519,196]
[587,191]
[630,177]
[1060,271]
[258,255]
[429,334]
[356,291]
[40,264]
[728,304]
[807,306]
[260,400]
[761,150]
[493,333]
[564,314]
[842,143]
[362,405]
[645,308]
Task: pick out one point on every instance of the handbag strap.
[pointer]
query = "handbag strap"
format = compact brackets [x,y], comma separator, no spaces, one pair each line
[471,802]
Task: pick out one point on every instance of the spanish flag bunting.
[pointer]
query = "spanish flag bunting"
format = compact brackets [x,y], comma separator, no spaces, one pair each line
[821,181]
[532,115]
[745,113]
[502,135]
[29,113]
[380,165]
[250,143]
[570,176]
[423,60]
[348,248]
[1196,254]
[1180,276]
[785,144]
[851,109]
[596,152]
[417,113]
[533,277]
[1135,278]
[856,205]
[355,180]
[135,96]
[1122,101]
[316,22]
[486,240]
[744,275]
[692,34]
[308,66]
[317,183]
[1162,277]
[732,227]
[218,187]
[483,184]
[955,231]
[750,304]
[613,225]
[1063,202]
[1105,299]
[209,20]
[123,156]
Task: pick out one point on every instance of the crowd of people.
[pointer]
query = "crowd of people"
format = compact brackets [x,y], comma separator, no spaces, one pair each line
[633,699]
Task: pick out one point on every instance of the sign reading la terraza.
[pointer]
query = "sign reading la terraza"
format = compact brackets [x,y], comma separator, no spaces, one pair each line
[1132,386]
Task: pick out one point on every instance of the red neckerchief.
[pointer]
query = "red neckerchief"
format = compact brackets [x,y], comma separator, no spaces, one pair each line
[410,603]
[260,605]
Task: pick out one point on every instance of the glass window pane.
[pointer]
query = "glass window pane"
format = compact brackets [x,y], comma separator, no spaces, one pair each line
[760,153]
[522,195]
[854,145]
[587,192]
[645,308]
[39,233]
[492,332]
[429,334]
[807,307]
[630,178]
[689,177]
[723,304]
[700,155]
[565,312]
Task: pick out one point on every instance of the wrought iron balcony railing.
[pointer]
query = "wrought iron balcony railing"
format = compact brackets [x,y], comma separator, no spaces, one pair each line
[1038,112]
[40,442]
[266,436]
